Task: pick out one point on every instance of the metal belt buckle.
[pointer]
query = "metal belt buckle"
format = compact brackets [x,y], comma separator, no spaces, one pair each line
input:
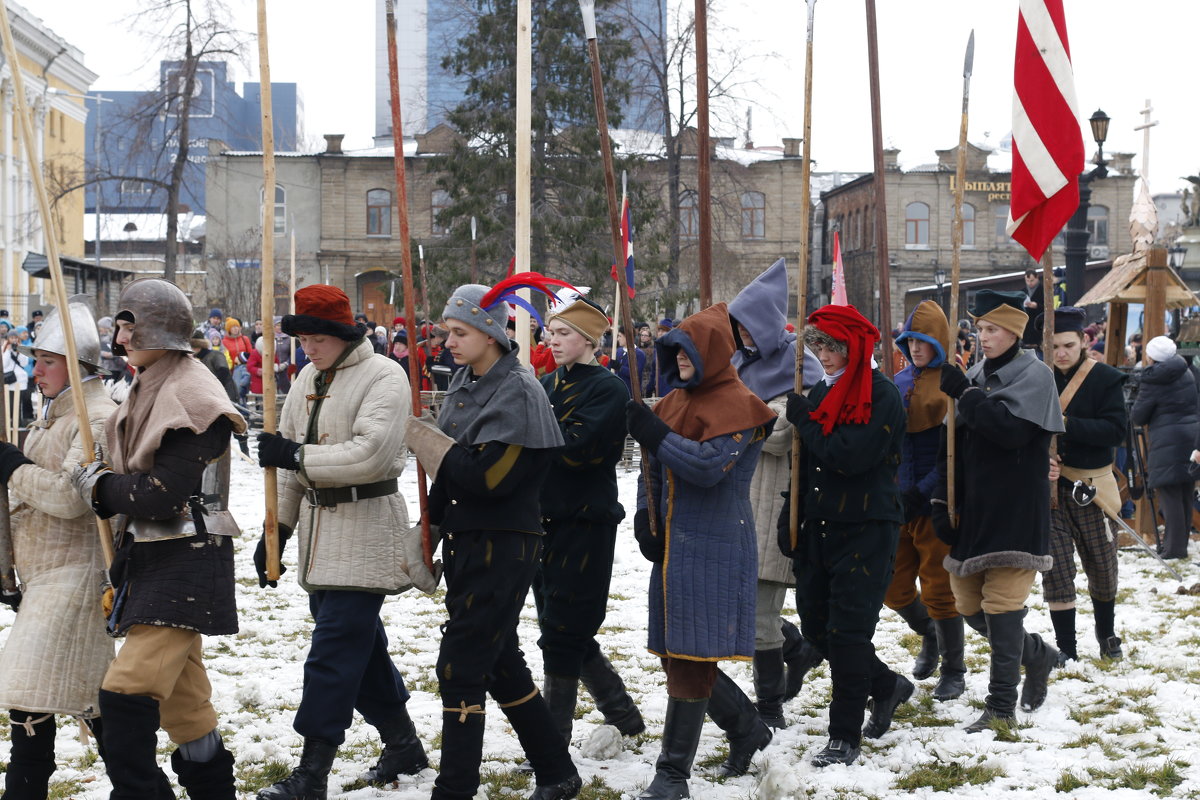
[314,498]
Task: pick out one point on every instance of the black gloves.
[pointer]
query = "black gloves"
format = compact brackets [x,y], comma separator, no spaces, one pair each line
[653,547]
[644,426]
[914,504]
[942,524]
[798,408]
[260,556]
[783,528]
[13,600]
[954,381]
[276,451]
[11,457]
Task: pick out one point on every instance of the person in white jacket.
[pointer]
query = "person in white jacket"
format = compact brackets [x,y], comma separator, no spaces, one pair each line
[57,651]
[340,450]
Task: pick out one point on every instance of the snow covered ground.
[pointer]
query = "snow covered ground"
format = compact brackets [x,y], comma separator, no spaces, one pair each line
[1125,730]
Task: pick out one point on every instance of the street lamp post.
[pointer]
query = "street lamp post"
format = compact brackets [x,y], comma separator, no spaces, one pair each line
[100,101]
[1176,255]
[1076,251]
[939,279]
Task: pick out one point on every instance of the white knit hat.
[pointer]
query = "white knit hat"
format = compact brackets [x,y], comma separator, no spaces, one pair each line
[1160,348]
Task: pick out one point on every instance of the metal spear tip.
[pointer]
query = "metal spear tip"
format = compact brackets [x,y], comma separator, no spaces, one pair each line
[969,61]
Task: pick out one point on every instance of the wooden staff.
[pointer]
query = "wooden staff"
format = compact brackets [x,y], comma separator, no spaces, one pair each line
[588,8]
[292,289]
[1048,338]
[8,575]
[406,269]
[703,157]
[802,273]
[428,325]
[267,295]
[955,266]
[74,373]
[524,149]
[881,250]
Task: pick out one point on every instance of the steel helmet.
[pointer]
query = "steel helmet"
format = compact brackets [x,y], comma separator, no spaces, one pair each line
[161,315]
[53,339]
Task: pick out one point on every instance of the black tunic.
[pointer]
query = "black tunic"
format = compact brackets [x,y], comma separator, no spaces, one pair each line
[1095,418]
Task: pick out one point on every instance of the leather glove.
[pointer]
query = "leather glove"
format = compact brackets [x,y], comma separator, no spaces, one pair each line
[86,476]
[11,457]
[12,600]
[428,443]
[914,504]
[645,427]
[277,451]
[783,527]
[954,381]
[260,556]
[652,545]
[942,525]
[798,408]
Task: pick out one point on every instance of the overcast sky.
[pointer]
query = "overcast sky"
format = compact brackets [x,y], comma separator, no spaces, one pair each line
[1120,60]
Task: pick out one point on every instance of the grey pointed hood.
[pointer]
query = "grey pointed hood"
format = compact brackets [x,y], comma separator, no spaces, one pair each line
[769,369]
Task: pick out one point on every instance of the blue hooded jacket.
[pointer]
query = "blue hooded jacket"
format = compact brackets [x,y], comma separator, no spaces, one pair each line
[919,450]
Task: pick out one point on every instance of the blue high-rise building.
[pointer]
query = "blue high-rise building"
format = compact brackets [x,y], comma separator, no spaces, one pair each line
[137,135]
[428,30]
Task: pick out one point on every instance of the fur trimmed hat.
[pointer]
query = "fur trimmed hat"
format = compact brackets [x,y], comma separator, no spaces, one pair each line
[323,309]
[814,336]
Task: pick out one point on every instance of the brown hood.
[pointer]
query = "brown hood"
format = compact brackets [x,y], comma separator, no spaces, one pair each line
[921,388]
[714,402]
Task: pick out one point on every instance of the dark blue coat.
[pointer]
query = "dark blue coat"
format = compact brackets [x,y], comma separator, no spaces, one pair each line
[702,595]
[1166,402]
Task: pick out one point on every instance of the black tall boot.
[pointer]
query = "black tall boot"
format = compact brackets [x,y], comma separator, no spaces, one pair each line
[612,700]
[800,657]
[462,752]
[953,679]
[769,686]
[546,749]
[31,761]
[1106,635]
[917,617]
[1063,621]
[206,780]
[745,730]
[1039,659]
[1006,635]
[131,746]
[310,779]
[561,695]
[402,751]
[681,735]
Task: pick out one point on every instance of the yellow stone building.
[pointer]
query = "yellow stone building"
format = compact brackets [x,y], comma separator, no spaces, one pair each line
[52,71]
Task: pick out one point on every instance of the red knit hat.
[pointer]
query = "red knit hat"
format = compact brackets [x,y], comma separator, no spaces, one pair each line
[322,309]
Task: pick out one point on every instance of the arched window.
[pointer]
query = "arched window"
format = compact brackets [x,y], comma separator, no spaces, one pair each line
[968,216]
[754,215]
[689,216]
[1001,216]
[916,224]
[1097,225]
[379,212]
[280,209]
[439,200]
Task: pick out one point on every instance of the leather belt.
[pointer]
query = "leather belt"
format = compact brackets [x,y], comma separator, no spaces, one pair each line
[334,496]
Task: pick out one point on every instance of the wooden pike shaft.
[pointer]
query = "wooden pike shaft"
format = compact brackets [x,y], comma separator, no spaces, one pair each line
[881,250]
[267,299]
[614,225]
[8,575]
[956,271]
[1047,311]
[406,269]
[74,373]
[523,159]
[802,273]
[703,160]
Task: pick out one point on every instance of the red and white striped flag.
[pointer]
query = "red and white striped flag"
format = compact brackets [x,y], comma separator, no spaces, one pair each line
[1047,143]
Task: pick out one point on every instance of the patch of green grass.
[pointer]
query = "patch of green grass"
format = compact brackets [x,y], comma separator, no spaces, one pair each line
[252,777]
[597,789]
[943,776]
[715,758]
[498,781]
[1006,732]
[1159,780]
[1069,782]
[65,790]
[1086,740]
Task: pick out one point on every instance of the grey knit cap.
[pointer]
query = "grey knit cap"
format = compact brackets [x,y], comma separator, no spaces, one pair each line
[463,306]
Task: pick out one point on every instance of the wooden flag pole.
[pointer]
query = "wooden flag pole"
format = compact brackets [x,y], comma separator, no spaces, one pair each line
[703,155]
[802,273]
[588,9]
[292,290]
[406,268]
[74,373]
[524,150]
[955,267]
[267,295]
[881,249]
